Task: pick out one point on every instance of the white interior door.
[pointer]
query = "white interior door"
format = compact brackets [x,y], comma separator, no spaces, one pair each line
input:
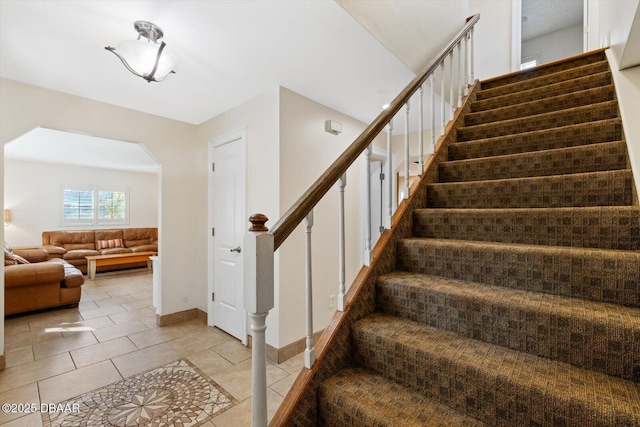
[228,220]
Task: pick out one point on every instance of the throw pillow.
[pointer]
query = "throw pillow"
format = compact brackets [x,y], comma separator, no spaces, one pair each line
[20,260]
[111,243]
[9,257]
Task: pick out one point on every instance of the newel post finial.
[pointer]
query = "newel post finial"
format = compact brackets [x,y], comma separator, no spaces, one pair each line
[257,222]
[258,300]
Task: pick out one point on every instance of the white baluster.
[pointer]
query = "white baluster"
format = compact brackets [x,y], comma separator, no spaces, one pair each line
[460,75]
[342,301]
[473,78]
[389,172]
[442,77]
[258,300]
[309,352]
[367,225]
[433,113]
[406,151]
[420,132]
[466,64]
[451,85]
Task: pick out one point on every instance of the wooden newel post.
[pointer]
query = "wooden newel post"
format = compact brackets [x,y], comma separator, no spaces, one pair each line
[258,300]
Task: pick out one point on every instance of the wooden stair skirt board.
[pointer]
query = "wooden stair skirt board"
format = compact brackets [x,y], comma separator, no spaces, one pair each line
[508,291]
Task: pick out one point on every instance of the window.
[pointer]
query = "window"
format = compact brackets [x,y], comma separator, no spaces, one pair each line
[111,205]
[94,205]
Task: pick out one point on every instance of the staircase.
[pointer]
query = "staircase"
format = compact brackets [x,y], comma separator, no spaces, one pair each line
[515,295]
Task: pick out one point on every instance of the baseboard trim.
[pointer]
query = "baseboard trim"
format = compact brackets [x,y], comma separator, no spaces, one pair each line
[181,316]
[279,355]
[274,355]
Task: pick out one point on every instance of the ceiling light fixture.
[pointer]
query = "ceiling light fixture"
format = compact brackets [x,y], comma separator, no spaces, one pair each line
[146,59]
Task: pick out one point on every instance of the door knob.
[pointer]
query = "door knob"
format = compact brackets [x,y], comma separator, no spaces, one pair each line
[238,249]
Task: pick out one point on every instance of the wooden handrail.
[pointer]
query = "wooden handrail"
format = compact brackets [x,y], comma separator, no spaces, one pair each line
[294,216]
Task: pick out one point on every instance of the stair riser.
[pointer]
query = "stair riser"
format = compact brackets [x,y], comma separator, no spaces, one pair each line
[496,394]
[582,273]
[570,136]
[545,76]
[556,103]
[602,111]
[591,189]
[583,83]
[604,228]
[588,158]
[542,330]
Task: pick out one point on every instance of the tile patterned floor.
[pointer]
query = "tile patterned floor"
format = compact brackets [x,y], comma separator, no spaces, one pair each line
[61,354]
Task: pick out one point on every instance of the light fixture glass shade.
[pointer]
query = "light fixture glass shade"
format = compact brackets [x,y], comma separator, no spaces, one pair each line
[7,216]
[141,56]
[145,57]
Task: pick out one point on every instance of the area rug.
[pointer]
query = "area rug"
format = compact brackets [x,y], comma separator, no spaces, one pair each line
[177,394]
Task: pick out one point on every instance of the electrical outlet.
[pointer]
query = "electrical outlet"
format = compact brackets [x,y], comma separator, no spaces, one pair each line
[332,301]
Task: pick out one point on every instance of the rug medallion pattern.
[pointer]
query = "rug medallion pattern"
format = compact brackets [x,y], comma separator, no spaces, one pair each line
[175,394]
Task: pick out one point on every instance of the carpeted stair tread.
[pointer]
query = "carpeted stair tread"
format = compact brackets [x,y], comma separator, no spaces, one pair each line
[603,275]
[598,336]
[604,227]
[584,158]
[545,76]
[566,136]
[500,386]
[609,188]
[539,106]
[587,113]
[359,397]
[560,88]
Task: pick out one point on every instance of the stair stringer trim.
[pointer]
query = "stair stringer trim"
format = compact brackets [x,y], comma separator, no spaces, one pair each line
[334,348]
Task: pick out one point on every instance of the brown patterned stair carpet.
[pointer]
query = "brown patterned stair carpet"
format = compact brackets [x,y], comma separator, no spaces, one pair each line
[545,139]
[516,298]
[554,89]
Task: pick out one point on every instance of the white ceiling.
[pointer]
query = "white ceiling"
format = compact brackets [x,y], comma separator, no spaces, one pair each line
[540,17]
[228,52]
[54,146]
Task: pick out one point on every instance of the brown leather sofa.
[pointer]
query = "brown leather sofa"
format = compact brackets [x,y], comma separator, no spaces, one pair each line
[40,283]
[74,246]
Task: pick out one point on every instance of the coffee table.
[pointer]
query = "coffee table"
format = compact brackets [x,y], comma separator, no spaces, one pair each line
[96,261]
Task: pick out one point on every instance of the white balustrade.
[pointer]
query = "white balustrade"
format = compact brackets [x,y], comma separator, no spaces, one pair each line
[461,79]
[472,57]
[259,243]
[309,352]
[420,131]
[466,65]
[451,85]
[442,112]
[389,172]
[433,113]
[342,301]
[367,198]
[405,194]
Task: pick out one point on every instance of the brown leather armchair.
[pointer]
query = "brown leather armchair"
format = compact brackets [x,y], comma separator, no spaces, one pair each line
[40,283]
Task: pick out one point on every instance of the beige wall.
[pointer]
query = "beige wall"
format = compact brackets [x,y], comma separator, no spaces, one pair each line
[24,107]
[611,25]
[306,150]
[33,192]
[259,117]
[493,37]
[287,150]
